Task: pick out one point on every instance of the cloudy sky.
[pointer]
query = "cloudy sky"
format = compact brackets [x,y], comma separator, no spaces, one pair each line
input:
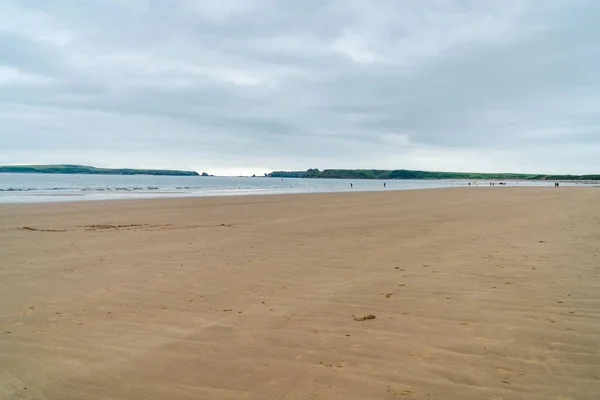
[249,86]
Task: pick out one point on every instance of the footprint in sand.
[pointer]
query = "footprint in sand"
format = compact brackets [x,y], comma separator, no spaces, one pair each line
[399,393]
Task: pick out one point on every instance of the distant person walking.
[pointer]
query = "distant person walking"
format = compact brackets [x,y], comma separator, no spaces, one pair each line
[351,185]
[384,184]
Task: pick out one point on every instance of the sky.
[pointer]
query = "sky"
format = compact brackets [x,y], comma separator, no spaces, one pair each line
[238,87]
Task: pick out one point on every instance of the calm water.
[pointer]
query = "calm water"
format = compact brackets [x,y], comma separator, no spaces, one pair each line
[16,188]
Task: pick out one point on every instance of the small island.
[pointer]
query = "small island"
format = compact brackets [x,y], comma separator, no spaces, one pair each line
[84,169]
[413,174]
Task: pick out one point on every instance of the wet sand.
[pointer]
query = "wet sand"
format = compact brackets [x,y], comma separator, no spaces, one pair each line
[477,293]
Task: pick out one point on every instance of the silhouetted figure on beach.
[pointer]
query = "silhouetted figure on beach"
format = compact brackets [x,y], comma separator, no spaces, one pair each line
[384,184]
[351,185]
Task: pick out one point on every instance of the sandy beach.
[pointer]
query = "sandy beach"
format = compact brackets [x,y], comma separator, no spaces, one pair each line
[477,293]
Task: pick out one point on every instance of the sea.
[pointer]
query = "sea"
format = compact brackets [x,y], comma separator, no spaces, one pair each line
[35,188]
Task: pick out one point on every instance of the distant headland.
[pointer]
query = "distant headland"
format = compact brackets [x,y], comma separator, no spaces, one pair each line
[84,169]
[412,174]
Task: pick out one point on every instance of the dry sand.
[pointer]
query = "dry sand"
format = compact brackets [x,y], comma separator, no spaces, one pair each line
[481,293]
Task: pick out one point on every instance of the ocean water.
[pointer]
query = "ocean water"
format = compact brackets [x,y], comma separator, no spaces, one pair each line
[18,188]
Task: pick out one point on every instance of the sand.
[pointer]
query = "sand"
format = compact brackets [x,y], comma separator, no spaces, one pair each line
[477,293]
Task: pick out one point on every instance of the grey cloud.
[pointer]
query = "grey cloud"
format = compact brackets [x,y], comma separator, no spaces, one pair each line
[264,84]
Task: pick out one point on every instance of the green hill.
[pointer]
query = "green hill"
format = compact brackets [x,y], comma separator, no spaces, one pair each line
[411,174]
[84,169]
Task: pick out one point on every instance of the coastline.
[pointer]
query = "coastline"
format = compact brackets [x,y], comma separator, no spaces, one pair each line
[15,188]
[477,293]
[167,197]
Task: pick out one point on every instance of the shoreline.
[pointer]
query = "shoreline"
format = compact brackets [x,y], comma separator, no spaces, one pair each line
[87,195]
[261,195]
[216,196]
